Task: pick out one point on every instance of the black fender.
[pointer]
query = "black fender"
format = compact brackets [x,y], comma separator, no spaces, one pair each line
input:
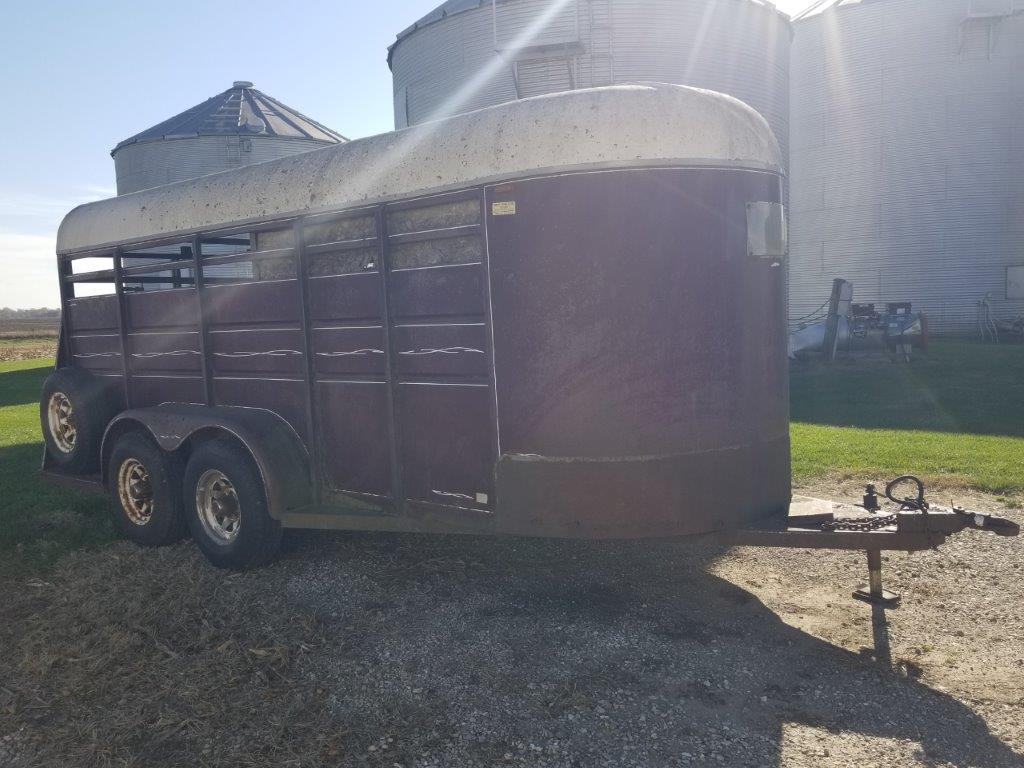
[279,453]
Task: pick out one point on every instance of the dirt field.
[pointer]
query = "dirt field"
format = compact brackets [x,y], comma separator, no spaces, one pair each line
[399,650]
[26,343]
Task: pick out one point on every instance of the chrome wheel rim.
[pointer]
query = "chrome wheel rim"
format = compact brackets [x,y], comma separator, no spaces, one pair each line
[61,419]
[135,491]
[218,507]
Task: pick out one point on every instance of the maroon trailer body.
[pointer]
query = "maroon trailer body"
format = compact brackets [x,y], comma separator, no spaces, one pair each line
[558,317]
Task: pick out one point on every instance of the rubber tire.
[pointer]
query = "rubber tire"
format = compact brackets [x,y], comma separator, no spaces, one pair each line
[259,536]
[94,405]
[166,471]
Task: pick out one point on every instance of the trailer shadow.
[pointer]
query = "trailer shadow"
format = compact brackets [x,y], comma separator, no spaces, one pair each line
[954,387]
[23,385]
[600,653]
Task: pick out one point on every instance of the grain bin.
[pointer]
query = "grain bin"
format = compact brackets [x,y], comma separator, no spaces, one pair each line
[468,54]
[238,127]
[907,169]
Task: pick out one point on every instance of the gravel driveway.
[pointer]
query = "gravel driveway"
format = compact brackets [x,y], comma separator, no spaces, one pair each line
[402,650]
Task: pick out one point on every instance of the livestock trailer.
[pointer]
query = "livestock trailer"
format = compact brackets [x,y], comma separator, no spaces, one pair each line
[563,316]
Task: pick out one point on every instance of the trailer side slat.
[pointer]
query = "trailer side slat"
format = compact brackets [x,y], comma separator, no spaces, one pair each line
[341,245]
[166,266]
[436,234]
[253,256]
[98,276]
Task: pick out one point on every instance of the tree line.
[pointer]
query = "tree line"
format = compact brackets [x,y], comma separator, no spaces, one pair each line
[6,313]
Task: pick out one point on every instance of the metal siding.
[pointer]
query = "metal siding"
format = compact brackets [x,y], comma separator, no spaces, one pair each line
[432,66]
[512,20]
[155,163]
[738,47]
[536,78]
[907,159]
[734,47]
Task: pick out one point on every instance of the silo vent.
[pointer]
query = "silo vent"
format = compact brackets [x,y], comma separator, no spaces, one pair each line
[241,84]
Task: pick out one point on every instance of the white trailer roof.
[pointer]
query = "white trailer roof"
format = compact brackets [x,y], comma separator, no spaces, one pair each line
[617,126]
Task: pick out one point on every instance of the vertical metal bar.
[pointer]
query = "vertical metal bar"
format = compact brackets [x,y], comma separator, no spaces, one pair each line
[67,292]
[204,354]
[176,274]
[832,323]
[122,326]
[384,265]
[875,572]
[489,340]
[312,423]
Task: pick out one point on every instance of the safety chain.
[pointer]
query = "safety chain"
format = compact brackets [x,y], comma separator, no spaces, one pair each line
[906,503]
[859,523]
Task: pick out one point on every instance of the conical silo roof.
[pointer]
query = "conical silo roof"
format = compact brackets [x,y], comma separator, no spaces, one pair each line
[241,110]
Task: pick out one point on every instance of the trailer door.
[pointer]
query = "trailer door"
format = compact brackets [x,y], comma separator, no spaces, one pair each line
[441,367]
[348,341]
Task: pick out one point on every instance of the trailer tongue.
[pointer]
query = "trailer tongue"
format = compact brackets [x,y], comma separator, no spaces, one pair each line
[912,525]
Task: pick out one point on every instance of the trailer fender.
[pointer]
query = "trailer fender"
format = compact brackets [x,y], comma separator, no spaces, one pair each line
[279,453]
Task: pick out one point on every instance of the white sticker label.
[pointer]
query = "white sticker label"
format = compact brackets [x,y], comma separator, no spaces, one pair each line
[504,208]
[481,498]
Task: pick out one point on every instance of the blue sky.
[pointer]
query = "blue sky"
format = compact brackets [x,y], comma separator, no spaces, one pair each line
[77,77]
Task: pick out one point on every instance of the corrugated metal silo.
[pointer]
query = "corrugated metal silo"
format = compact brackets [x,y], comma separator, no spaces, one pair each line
[469,54]
[907,169]
[238,127]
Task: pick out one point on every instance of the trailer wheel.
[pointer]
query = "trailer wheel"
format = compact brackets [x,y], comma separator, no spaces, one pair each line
[145,488]
[74,409]
[227,507]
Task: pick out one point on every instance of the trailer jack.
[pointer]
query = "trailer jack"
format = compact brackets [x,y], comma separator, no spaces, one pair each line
[913,525]
[872,592]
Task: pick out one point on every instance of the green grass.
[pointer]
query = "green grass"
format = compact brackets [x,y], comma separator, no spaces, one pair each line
[39,522]
[955,414]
